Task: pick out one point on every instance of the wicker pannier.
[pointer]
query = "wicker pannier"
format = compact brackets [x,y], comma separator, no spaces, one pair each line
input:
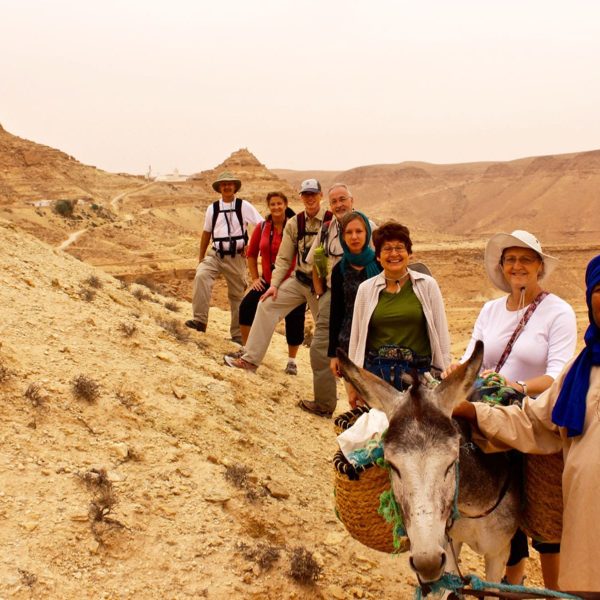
[543,507]
[357,499]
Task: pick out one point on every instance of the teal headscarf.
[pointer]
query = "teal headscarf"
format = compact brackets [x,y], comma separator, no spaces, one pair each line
[366,258]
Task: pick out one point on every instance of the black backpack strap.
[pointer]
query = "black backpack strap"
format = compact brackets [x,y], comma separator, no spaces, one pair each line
[301,219]
[325,226]
[238,212]
[218,242]
[216,208]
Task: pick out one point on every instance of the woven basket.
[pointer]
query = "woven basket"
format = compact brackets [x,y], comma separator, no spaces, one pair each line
[347,419]
[542,515]
[357,501]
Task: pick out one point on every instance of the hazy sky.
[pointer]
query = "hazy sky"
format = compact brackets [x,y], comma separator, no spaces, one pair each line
[303,84]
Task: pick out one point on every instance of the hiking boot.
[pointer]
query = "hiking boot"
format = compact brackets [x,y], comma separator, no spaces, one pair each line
[237,354]
[239,363]
[291,369]
[197,325]
[314,408]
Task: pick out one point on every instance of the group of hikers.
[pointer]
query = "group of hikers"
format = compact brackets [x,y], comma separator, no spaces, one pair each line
[367,298]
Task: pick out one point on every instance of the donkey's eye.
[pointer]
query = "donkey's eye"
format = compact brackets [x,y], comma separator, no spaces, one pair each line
[449,469]
[395,469]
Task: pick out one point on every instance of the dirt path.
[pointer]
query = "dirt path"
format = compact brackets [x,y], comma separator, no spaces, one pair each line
[71,239]
[116,202]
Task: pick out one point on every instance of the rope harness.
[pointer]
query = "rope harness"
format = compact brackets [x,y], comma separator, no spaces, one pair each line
[481,588]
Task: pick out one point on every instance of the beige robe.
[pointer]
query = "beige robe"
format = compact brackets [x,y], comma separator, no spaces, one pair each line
[531,430]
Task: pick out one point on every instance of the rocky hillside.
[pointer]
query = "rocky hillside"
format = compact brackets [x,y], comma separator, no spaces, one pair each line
[134,465]
[555,196]
[30,172]
[130,227]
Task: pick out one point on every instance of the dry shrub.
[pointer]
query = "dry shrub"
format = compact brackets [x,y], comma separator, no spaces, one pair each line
[303,566]
[141,294]
[27,578]
[238,475]
[128,398]
[123,284]
[103,503]
[94,281]
[96,479]
[127,329]
[35,394]
[64,208]
[147,282]
[264,555]
[87,294]
[175,328]
[85,388]
[172,306]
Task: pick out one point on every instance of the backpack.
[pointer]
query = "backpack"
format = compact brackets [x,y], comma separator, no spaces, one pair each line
[231,239]
[302,233]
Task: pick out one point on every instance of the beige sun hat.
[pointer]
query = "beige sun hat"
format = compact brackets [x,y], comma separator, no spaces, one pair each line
[226,176]
[518,239]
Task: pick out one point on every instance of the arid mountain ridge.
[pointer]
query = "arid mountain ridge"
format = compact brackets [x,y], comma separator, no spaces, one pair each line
[557,197]
[554,195]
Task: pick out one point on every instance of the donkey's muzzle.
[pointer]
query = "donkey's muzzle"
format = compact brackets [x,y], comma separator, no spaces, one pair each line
[428,566]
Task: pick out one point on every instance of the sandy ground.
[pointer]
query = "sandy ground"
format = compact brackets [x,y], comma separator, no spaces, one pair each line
[169,424]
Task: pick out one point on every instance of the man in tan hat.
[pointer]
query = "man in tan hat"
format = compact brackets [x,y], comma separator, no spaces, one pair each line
[226,222]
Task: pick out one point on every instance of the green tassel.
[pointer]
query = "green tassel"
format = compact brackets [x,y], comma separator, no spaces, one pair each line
[390,511]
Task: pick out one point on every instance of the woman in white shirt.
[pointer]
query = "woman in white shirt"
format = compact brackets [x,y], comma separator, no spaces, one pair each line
[516,264]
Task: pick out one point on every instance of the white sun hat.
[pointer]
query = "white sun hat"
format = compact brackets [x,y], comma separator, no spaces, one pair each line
[518,239]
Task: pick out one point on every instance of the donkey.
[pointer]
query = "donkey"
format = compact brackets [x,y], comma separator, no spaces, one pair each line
[429,454]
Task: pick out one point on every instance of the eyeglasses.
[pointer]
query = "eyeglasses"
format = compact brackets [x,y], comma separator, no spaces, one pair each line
[524,260]
[390,249]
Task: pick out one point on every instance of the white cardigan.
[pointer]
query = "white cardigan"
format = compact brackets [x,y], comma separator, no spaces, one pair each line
[427,291]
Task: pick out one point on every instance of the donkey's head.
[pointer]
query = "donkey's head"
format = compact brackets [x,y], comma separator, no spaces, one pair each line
[421,447]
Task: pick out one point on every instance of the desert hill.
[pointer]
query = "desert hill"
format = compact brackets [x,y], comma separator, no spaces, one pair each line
[33,172]
[206,473]
[257,180]
[556,196]
[131,227]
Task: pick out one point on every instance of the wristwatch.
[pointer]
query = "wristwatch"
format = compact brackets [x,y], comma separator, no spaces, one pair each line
[524,386]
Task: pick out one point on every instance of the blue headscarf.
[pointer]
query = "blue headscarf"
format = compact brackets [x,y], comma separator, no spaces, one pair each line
[366,258]
[569,410]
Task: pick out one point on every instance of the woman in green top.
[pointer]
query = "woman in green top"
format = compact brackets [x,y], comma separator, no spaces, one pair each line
[399,321]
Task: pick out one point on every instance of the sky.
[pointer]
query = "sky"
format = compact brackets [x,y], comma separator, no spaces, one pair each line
[125,85]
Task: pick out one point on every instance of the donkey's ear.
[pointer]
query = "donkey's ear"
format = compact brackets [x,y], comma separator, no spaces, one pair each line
[456,387]
[373,390]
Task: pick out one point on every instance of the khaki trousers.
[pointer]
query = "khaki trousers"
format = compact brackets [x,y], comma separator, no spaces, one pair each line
[291,294]
[233,269]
